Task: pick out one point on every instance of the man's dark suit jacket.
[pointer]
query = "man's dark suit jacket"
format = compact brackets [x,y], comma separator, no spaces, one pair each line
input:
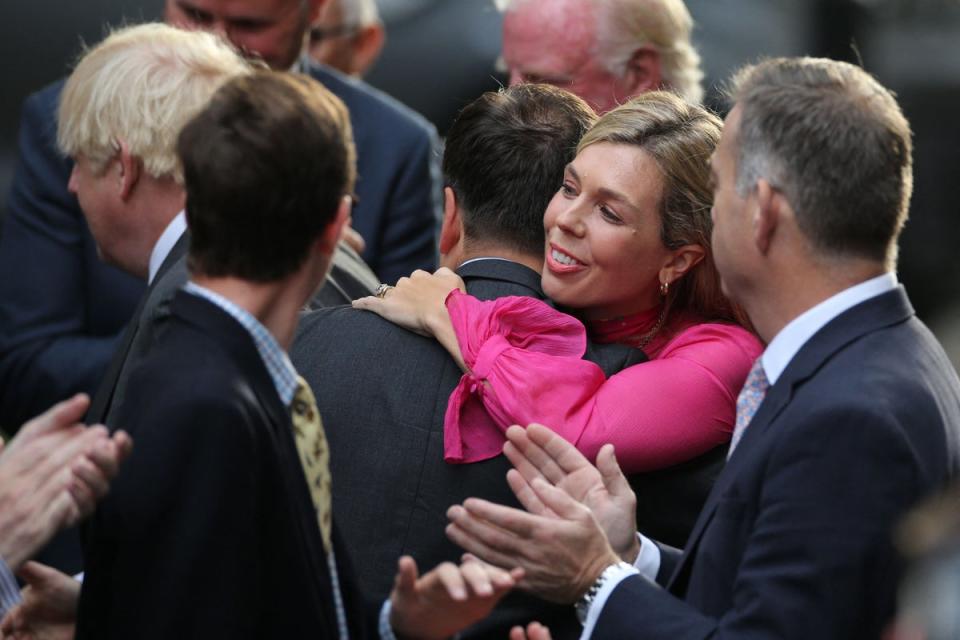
[398,176]
[209,530]
[62,310]
[795,539]
[382,392]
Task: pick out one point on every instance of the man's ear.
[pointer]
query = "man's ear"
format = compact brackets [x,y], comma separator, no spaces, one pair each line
[331,235]
[452,228]
[313,10]
[130,169]
[642,73]
[367,45]
[766,214]
[680,262]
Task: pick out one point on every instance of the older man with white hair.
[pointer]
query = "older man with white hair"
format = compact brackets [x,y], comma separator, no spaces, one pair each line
[605,51]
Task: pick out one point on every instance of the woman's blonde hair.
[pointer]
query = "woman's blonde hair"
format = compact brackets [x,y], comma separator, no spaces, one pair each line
[142,84]
[680,137]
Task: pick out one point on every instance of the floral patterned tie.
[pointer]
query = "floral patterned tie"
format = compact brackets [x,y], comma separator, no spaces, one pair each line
[749,400]
[314,455]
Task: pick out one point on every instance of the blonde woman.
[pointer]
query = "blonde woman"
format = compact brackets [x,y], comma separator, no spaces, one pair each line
[628,254]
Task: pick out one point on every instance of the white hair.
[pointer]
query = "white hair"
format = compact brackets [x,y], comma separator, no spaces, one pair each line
[142,84]
[625,25]
[359,13]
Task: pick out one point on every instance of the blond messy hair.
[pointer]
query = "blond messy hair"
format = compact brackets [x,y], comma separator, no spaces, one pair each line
[142,84]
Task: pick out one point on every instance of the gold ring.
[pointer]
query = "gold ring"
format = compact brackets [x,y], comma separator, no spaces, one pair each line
[382,289]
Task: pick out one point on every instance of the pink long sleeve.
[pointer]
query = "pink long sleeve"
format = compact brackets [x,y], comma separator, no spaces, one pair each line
[525,363]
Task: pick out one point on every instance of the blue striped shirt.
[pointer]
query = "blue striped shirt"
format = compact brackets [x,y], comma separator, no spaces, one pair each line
[9,590]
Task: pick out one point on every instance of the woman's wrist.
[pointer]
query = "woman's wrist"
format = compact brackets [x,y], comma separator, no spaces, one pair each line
[440,326]
[436,318]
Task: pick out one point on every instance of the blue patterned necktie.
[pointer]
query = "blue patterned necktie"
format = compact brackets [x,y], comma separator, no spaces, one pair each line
[749,400]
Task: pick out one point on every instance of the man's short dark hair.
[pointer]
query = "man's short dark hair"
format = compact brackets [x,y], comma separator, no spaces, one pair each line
[834,141]
[504,160]
[266,165]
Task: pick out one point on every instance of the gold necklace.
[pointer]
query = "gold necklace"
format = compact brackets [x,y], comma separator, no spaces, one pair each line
[645,339]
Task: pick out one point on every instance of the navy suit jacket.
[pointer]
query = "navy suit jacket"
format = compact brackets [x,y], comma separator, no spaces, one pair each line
[795,538]
[209,529]
[62,310]
[398,187]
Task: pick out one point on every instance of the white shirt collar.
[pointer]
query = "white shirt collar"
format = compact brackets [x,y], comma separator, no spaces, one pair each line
[479,258]
[165,244]
[798,331]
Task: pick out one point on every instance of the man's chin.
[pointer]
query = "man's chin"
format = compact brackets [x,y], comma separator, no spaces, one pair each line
[109,259]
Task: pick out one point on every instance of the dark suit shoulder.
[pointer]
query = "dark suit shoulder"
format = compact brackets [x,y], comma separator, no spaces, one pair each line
[317,324]
[185,379]
[40,110]
[369,103]
[890,390]
[344,341]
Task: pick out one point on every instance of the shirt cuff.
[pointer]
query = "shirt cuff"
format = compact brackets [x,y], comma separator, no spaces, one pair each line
[9,589]
[620,573]
[386,631]
[648,560]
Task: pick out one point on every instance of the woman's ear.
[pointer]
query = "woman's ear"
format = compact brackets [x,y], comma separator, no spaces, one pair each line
[680,262]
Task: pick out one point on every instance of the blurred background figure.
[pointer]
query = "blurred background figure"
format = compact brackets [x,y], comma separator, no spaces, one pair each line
[606,52]
[929,601]
[348,36]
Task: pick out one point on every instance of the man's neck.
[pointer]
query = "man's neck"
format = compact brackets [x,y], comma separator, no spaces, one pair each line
[276,305]
[784,299]
[527,260]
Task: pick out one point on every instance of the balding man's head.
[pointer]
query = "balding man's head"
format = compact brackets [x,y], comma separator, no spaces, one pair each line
[605,51]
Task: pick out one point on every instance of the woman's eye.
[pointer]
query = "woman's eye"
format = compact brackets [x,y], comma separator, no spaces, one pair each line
[567,189]
[610,215]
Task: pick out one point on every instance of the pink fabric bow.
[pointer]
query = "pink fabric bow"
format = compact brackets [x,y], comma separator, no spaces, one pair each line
[492,333]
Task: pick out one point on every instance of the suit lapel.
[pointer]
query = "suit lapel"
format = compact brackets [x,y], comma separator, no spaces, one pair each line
[869,316]
[177,252]
[103,398]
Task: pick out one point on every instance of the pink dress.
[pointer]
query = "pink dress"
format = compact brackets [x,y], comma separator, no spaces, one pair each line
[525,365]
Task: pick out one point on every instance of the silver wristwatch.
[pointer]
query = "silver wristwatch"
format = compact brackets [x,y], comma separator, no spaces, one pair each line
[582,606]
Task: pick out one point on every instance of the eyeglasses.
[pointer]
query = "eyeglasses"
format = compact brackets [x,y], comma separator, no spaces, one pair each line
[319,34]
